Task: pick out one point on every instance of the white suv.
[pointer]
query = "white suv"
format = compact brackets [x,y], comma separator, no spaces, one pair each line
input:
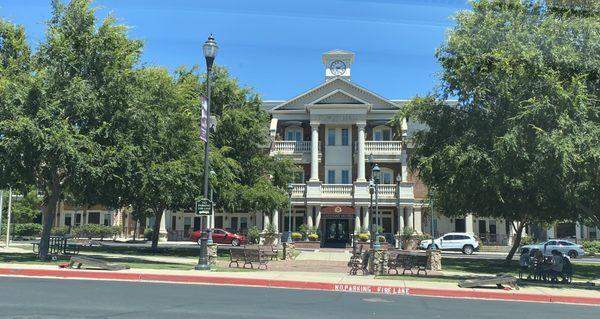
[467,243]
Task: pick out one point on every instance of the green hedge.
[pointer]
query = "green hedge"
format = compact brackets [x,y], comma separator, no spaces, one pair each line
[60,231]
[591,247]
[27,230]
[95,231]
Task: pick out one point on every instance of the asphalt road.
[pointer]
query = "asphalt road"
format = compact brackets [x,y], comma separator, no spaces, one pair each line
[61,298]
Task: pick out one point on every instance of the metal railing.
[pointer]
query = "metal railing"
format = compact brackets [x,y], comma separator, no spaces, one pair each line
[493,239]
[337,190]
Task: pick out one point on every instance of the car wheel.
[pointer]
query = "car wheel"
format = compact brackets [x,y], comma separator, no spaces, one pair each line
[467,250]
[235,242]
[572,254]
[199,241]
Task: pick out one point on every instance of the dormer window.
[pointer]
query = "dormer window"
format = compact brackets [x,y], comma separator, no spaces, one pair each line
[294,133]
[382,133]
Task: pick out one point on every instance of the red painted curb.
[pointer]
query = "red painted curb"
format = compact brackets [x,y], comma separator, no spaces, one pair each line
[377,289]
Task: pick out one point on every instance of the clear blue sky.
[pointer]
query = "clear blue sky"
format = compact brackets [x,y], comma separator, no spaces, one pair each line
[275,46]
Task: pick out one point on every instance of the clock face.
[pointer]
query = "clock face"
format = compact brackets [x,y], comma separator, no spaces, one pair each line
[337,67]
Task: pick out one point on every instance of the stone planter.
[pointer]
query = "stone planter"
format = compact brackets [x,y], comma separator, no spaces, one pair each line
[269,241]
[409,244]
[314,245]
[367,245]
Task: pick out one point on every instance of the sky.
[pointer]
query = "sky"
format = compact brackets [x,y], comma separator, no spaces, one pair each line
[275,46]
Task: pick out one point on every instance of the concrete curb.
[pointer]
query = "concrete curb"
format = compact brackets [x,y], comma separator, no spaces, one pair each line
[306,285]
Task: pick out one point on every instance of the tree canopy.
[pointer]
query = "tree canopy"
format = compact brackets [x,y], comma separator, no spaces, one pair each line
[522,141]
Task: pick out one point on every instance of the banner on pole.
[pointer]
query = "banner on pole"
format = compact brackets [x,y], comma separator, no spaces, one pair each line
[204,120]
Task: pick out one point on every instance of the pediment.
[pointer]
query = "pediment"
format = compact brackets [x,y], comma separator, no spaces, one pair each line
[339,97]
[336,91]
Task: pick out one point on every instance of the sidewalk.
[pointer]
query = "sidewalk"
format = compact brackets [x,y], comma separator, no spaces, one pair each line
[314,281]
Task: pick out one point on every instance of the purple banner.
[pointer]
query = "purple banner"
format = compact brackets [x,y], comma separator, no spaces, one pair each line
[204,120]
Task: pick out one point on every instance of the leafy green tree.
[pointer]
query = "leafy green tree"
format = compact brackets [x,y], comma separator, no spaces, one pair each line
[59,129]
[523,141]
[27,208]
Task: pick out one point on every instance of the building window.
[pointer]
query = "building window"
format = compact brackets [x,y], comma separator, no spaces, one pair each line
[345,137]
[330,176]
[94,218]
[331,136]
[243,223]
[107,219]
[387,176]
[299,177]
[293,133]
[68,220]
[345,177]
[382,133]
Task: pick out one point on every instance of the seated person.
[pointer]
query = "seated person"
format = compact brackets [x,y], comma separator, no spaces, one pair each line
[557,265]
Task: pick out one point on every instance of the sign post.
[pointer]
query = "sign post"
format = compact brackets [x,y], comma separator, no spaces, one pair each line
[203,207]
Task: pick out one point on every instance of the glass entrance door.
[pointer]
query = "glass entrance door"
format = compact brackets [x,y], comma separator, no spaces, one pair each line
[336,232]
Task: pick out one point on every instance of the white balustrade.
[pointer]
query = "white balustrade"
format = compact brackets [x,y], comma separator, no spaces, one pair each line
[383,147]
[337,190]
[298,190]
[291,147]
[387,190]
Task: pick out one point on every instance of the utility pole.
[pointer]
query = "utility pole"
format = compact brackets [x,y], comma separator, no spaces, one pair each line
[8,217]
[1,208]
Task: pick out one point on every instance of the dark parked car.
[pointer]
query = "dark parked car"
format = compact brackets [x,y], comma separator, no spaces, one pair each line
[220,236]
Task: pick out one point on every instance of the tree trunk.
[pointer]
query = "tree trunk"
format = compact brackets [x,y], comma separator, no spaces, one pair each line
[49,211]
[156,229]
[517,241]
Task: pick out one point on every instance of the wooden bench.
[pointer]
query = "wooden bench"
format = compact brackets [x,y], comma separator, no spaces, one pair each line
[270,251]
[236,254]
[498,280]
[58,245]
[88,262]
[359,262]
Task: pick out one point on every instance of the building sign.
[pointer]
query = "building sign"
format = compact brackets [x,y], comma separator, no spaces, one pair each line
[337,212]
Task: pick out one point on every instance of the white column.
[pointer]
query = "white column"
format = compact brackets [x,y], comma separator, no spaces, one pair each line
[357,220]
[366,219]
[314,152]
[318,219]
[400,220]
[162,232]
[309,217]
[266,221]
[410,219]
[275,220]
[417,220]
[469,223]
[404,161]
[361,152]
[578,232]
[550,232]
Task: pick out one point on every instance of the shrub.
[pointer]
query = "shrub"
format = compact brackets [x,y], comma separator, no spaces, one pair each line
[28,229]
[296,236]
[271,232]
[591,247]
[148,233]
[527,240]
[253,235]
[382,239]
[304,229]
[60,231]
[407,233]
[364,237]
[421,237]
[313,237]
[95,231]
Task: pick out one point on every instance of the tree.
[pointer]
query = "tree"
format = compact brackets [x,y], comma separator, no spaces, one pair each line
[522,142]
[60,129]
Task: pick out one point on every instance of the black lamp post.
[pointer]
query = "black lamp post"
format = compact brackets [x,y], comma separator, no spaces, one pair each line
[210,49]
[212,211]
[290,188]
[376,177]
[371,191]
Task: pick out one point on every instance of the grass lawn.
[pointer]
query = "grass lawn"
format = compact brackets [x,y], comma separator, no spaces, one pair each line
[583,272]
[132,262]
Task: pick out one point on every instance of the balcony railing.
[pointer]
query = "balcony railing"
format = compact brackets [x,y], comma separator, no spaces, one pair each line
[387,191]
[291,147]
[383,147]
[298,190]
[337,190]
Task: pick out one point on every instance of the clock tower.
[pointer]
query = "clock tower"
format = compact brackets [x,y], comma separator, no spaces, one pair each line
[337,63]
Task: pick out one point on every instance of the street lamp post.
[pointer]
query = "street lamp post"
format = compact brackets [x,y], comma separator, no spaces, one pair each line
[371,191]
[431,209]
[212,212]
[290,188]
[210,49]
[376,175]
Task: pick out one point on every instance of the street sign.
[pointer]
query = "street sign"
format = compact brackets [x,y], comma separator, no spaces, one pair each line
[203,207]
